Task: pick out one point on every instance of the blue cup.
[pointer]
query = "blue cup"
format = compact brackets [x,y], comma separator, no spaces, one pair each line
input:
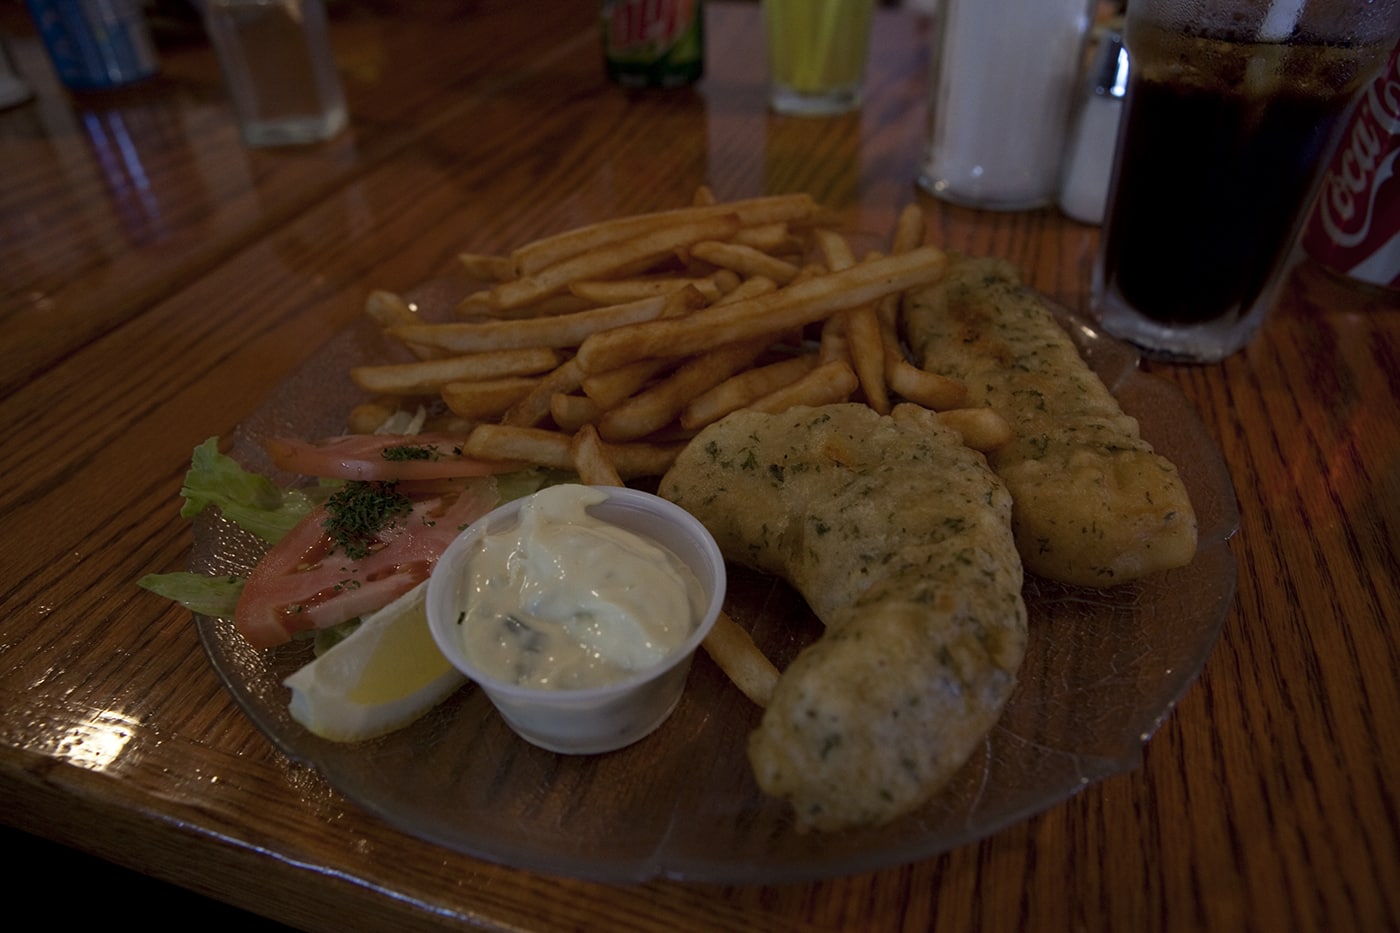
[95,44]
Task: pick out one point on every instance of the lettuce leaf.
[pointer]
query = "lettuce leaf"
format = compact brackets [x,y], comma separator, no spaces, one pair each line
[251,501]
[260,506]
[216,597]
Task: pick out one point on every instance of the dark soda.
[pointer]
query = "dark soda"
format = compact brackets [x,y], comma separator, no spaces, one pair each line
[1220,151]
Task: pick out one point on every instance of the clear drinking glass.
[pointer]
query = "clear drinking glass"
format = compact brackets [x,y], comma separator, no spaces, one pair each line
[817,50]
[1231,112]
[276,59]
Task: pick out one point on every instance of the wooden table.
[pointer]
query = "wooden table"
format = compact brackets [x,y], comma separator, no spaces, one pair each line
[158,280]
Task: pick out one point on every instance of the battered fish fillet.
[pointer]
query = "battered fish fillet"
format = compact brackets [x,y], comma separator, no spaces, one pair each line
[1094,504]
[899,538]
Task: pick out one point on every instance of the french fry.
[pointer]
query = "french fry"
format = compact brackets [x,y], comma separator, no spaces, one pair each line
[797,304]
[486,399]
[909,229]
[745,260]
[615,385]
[534,406]
[744,389]
[553,449]
[887,315]
[549,306]
[748,288]
[774,239]
[590,459]
[726,280]
[477,304]
[643,459]
[980,428]
[867,351]
[908,234]
[612,388]
[828,384]
[510,443]
[703,197]
[427,376]
[548,251]
[913,384]
[488,268]
[556,331]
[864,343]
[890,311]
[571,412]
[366,417]
[388,309]
[661,404]
[621,291]
[834,249]
[613,259]
[734,651]
[833,347]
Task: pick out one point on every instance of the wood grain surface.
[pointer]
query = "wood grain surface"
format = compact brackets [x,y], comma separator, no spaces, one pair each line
[157,281]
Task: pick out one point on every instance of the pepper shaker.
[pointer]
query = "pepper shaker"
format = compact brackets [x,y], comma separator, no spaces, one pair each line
[1094,135]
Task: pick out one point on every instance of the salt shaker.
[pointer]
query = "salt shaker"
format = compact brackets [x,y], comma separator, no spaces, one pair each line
[1094,135]
[277,62]
[1004,76]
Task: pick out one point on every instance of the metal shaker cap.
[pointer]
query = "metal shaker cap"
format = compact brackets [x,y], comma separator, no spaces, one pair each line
[1109,73]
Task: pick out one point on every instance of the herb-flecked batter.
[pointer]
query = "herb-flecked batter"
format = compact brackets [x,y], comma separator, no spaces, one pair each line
[1095,505]
[899,538]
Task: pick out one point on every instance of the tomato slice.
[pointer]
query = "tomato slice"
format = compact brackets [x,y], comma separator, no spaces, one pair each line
[304,583]
[382,457]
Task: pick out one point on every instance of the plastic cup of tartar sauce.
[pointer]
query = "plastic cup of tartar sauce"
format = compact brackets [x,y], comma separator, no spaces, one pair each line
[603,713]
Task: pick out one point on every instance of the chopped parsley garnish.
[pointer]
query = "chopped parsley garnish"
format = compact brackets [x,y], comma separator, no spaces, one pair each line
[359,511]
[404,452]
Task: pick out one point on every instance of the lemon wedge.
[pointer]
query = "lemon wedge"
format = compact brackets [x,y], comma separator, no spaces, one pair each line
[385,675]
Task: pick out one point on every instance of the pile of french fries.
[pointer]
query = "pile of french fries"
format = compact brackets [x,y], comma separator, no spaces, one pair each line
[627,337]
[604,349]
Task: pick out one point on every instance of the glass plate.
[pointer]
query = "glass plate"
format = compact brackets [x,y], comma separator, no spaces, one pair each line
[1103,670]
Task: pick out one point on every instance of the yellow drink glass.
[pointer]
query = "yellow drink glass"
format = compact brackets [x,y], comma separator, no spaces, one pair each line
[816,54]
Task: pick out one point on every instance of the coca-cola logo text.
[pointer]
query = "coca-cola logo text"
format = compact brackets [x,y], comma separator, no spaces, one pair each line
[654,23]
[1365,160]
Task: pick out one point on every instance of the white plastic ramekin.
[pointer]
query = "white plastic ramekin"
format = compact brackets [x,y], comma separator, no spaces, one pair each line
[597,719]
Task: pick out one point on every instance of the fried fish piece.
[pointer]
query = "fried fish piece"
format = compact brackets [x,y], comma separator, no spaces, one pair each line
[1095,505]
[899,538]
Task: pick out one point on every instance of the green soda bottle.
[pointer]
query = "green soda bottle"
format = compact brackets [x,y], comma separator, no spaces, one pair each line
[654,43]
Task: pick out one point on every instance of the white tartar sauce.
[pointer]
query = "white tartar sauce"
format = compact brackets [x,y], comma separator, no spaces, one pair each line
[565,601]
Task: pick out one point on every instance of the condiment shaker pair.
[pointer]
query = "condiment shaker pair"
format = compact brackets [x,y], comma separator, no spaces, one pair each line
[1006,130]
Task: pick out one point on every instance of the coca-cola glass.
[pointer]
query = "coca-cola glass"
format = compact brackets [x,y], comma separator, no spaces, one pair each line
[1231,113]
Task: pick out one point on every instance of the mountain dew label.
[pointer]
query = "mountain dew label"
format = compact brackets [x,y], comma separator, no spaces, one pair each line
[653,43]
